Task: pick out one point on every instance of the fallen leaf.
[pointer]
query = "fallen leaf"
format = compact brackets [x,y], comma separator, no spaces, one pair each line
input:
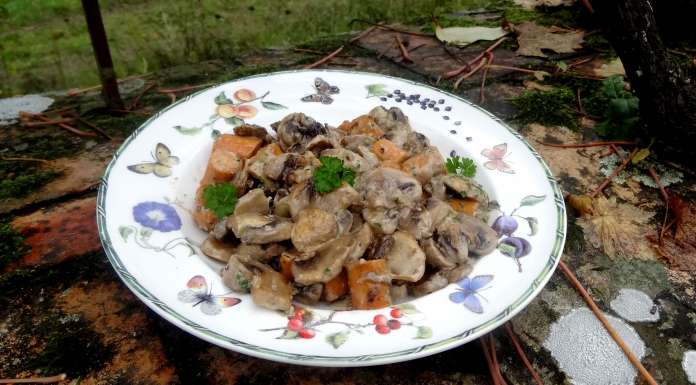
[534,86]
[466,35]
[531,4]
[678,246]
[581,203]
[640,155]
[618,228]
[533,38]
[614,67]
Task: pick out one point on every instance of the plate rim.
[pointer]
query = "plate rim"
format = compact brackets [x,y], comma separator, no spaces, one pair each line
[162,309]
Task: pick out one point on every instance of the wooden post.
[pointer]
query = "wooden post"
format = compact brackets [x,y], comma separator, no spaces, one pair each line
[100,45]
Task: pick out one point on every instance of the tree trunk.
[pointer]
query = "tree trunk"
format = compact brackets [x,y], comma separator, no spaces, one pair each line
[667,92]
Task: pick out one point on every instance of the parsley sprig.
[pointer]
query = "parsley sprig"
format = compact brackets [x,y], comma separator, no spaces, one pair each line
[461,166]
[220,198]
[331,174]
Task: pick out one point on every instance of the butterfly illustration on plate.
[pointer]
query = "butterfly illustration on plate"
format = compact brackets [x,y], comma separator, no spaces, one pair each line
[467,292]
[496,155]
[324,89]
[198,293]
[162,165]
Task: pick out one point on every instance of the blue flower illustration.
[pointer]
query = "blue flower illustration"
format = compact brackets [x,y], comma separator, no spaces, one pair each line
[157,216]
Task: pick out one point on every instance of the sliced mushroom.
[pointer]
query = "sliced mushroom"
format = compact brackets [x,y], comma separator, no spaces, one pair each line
[429,284]
[278,167]
[452,241]
[405,259]
[350,159]
[398,292]
[482,239]
[255,167]
[311,294]
[387,187]
[424,165]
[363,238]
[434,257]
[217,250]
[254,201]
[299,198]
[393,122]
[383,221]
[296,130]
[458,272]
[369,156]
[254,228]
[313,228]
[271,290]
[220,231]
[236,276]
[466,187]
[320,143]
[281,206]
[436,188]
[336,200]
[344,219]
[253,130]
[353,142]
[326,264]
[416,143]
[417,222]
[249,254]
[438,210]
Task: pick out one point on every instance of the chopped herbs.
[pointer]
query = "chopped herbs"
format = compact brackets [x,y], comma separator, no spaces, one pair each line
[461,166]
[220,199]
[331,174]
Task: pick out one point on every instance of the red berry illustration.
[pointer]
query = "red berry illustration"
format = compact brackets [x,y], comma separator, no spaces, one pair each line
[295,324]
[380,320]
[382,329]
[307,333]
[396,313]
[299,313]
[394,324]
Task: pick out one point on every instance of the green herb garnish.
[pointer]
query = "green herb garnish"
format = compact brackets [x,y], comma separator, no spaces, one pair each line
[220,198]
[461,166]
[331,174]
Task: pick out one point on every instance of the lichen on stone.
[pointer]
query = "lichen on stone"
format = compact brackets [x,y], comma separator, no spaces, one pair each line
[689,365]
[639,172]
[11,107]
[635,306]
[586,352]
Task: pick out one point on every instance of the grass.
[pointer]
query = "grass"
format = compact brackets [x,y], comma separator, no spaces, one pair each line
[44,43]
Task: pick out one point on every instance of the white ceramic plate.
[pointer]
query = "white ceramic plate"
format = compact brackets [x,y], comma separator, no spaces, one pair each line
[150,238]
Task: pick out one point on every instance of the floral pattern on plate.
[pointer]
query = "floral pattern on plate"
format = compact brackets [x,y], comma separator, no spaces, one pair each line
[303,323]
[506,225]
[233,111]
[199,293]
[159,217]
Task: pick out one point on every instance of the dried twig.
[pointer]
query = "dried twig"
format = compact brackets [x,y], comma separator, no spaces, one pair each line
[489,360]
[612,332]
[587,5]
[467,66]
[381,25]
[135,101]
[131,112]
[64,126]
[614,174]
[24,159]
[468,74]
[50,122]
[404,51]
[34,380]
[580,108]
[482,96]
[364,33]
[665,197]
[181,89]
[494,358]
[325,58]
[91,125]
[313,51]
[520,352]
[588,144]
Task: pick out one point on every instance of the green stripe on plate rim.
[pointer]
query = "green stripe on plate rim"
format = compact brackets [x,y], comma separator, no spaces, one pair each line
[431,348]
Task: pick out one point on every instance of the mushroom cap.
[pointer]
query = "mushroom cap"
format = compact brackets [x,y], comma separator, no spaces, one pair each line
[405,259]
[254,228]
[313,228]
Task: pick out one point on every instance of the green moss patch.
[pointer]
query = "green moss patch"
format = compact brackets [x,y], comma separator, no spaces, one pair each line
[552,108]
[23,184]
[12,245]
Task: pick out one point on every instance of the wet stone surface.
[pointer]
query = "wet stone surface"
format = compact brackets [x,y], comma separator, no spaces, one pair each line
[63,310]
